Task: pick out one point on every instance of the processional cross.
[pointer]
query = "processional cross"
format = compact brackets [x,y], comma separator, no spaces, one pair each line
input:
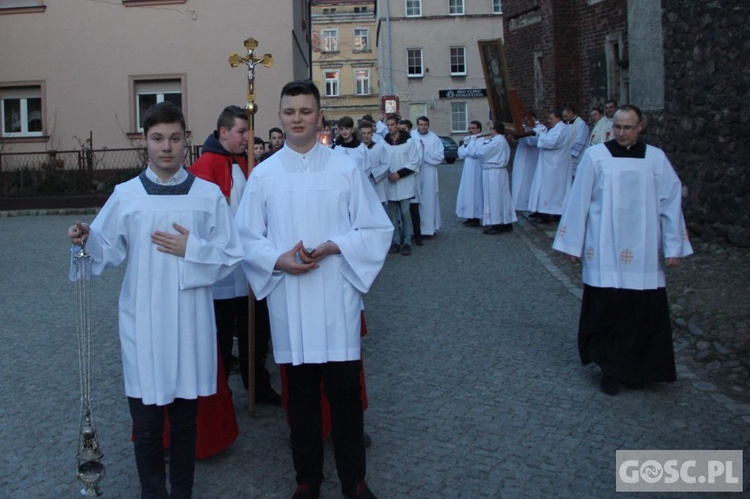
[251,60]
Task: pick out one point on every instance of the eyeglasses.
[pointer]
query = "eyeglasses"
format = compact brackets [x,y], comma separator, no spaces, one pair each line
[625,128]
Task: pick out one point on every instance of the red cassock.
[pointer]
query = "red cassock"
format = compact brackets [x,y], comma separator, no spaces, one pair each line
[216,423]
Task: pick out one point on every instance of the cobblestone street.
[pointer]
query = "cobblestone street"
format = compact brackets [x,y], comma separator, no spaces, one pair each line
[473,378]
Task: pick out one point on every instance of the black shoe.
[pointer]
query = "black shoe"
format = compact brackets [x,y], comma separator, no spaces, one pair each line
[268,397]
[418,240]
[506,227]
[495,229]
[610,385]
[307,491]
[368,440]
[360,491]
[472,222]
[395,248]
[426,237]
[406,249]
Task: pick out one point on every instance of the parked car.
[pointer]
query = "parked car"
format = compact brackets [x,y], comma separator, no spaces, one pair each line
[450,149]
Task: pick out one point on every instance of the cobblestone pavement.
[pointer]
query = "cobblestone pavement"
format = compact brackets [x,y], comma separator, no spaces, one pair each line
[473,378]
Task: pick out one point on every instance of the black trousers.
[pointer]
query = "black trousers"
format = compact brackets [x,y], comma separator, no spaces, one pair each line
[416,221]
[148,429]
[231,316]
[341,382]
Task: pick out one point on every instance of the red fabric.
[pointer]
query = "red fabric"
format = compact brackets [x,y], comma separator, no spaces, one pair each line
[325,406]
[217,168]
[216,424]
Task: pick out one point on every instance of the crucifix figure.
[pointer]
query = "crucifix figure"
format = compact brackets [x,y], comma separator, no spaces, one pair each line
[251,60]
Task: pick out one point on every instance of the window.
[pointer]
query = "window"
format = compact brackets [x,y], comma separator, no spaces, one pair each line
[21,110]
[417,110]
[358,10]
[152,91]
[414,63]
[332,83]
[362,77]
[497,6]
[361,39]
[413,8]
[459,120]
[21,6]
[329,11]
[456,7]
[458,61]
[330,40]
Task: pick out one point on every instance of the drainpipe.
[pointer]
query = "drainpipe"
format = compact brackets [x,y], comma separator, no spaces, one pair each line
[388,53]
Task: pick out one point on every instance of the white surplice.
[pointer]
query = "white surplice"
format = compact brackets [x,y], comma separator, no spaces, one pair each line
[494,154]
[552,177]
[433,153]
[166,313]
[524,166]
[400,156]
[579,141]
[602,131]
[623,216]
[378,170]
[469,198]
[314,197]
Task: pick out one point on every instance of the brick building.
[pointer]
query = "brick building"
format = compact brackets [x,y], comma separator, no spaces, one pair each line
[685,63]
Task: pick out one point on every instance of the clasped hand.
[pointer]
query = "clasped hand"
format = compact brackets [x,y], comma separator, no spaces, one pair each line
[299,260]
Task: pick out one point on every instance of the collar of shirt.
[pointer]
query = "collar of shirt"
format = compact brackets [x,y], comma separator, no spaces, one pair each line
[176,179]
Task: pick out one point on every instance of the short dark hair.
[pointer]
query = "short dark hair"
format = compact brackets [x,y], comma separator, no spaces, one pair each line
[301,87]
[368,117]
[408,124]
[498,126]
[557,113]
[478,124]
[597,109]
[393,116]
[612,101]
[228,115]
[346,122]
[423,118]
[163,112]
[569,107]
[366,124]
[631,107]
[259,141]
[275,129]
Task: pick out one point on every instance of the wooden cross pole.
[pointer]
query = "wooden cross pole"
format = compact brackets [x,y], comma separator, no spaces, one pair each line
[251,60]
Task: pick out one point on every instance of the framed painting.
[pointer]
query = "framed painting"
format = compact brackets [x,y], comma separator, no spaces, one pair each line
[499,91]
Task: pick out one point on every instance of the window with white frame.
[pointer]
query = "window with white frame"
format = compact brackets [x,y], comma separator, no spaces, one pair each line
[456,7]
[414,66]
[413,8]
[331,83]
[497,6]
[361,39]
[362,79]
[459,117]
[458,61]
[21,110]
[150,92]
[330,40]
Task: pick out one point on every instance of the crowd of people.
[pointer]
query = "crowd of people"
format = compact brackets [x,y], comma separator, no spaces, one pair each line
[301,230]
[618,203]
